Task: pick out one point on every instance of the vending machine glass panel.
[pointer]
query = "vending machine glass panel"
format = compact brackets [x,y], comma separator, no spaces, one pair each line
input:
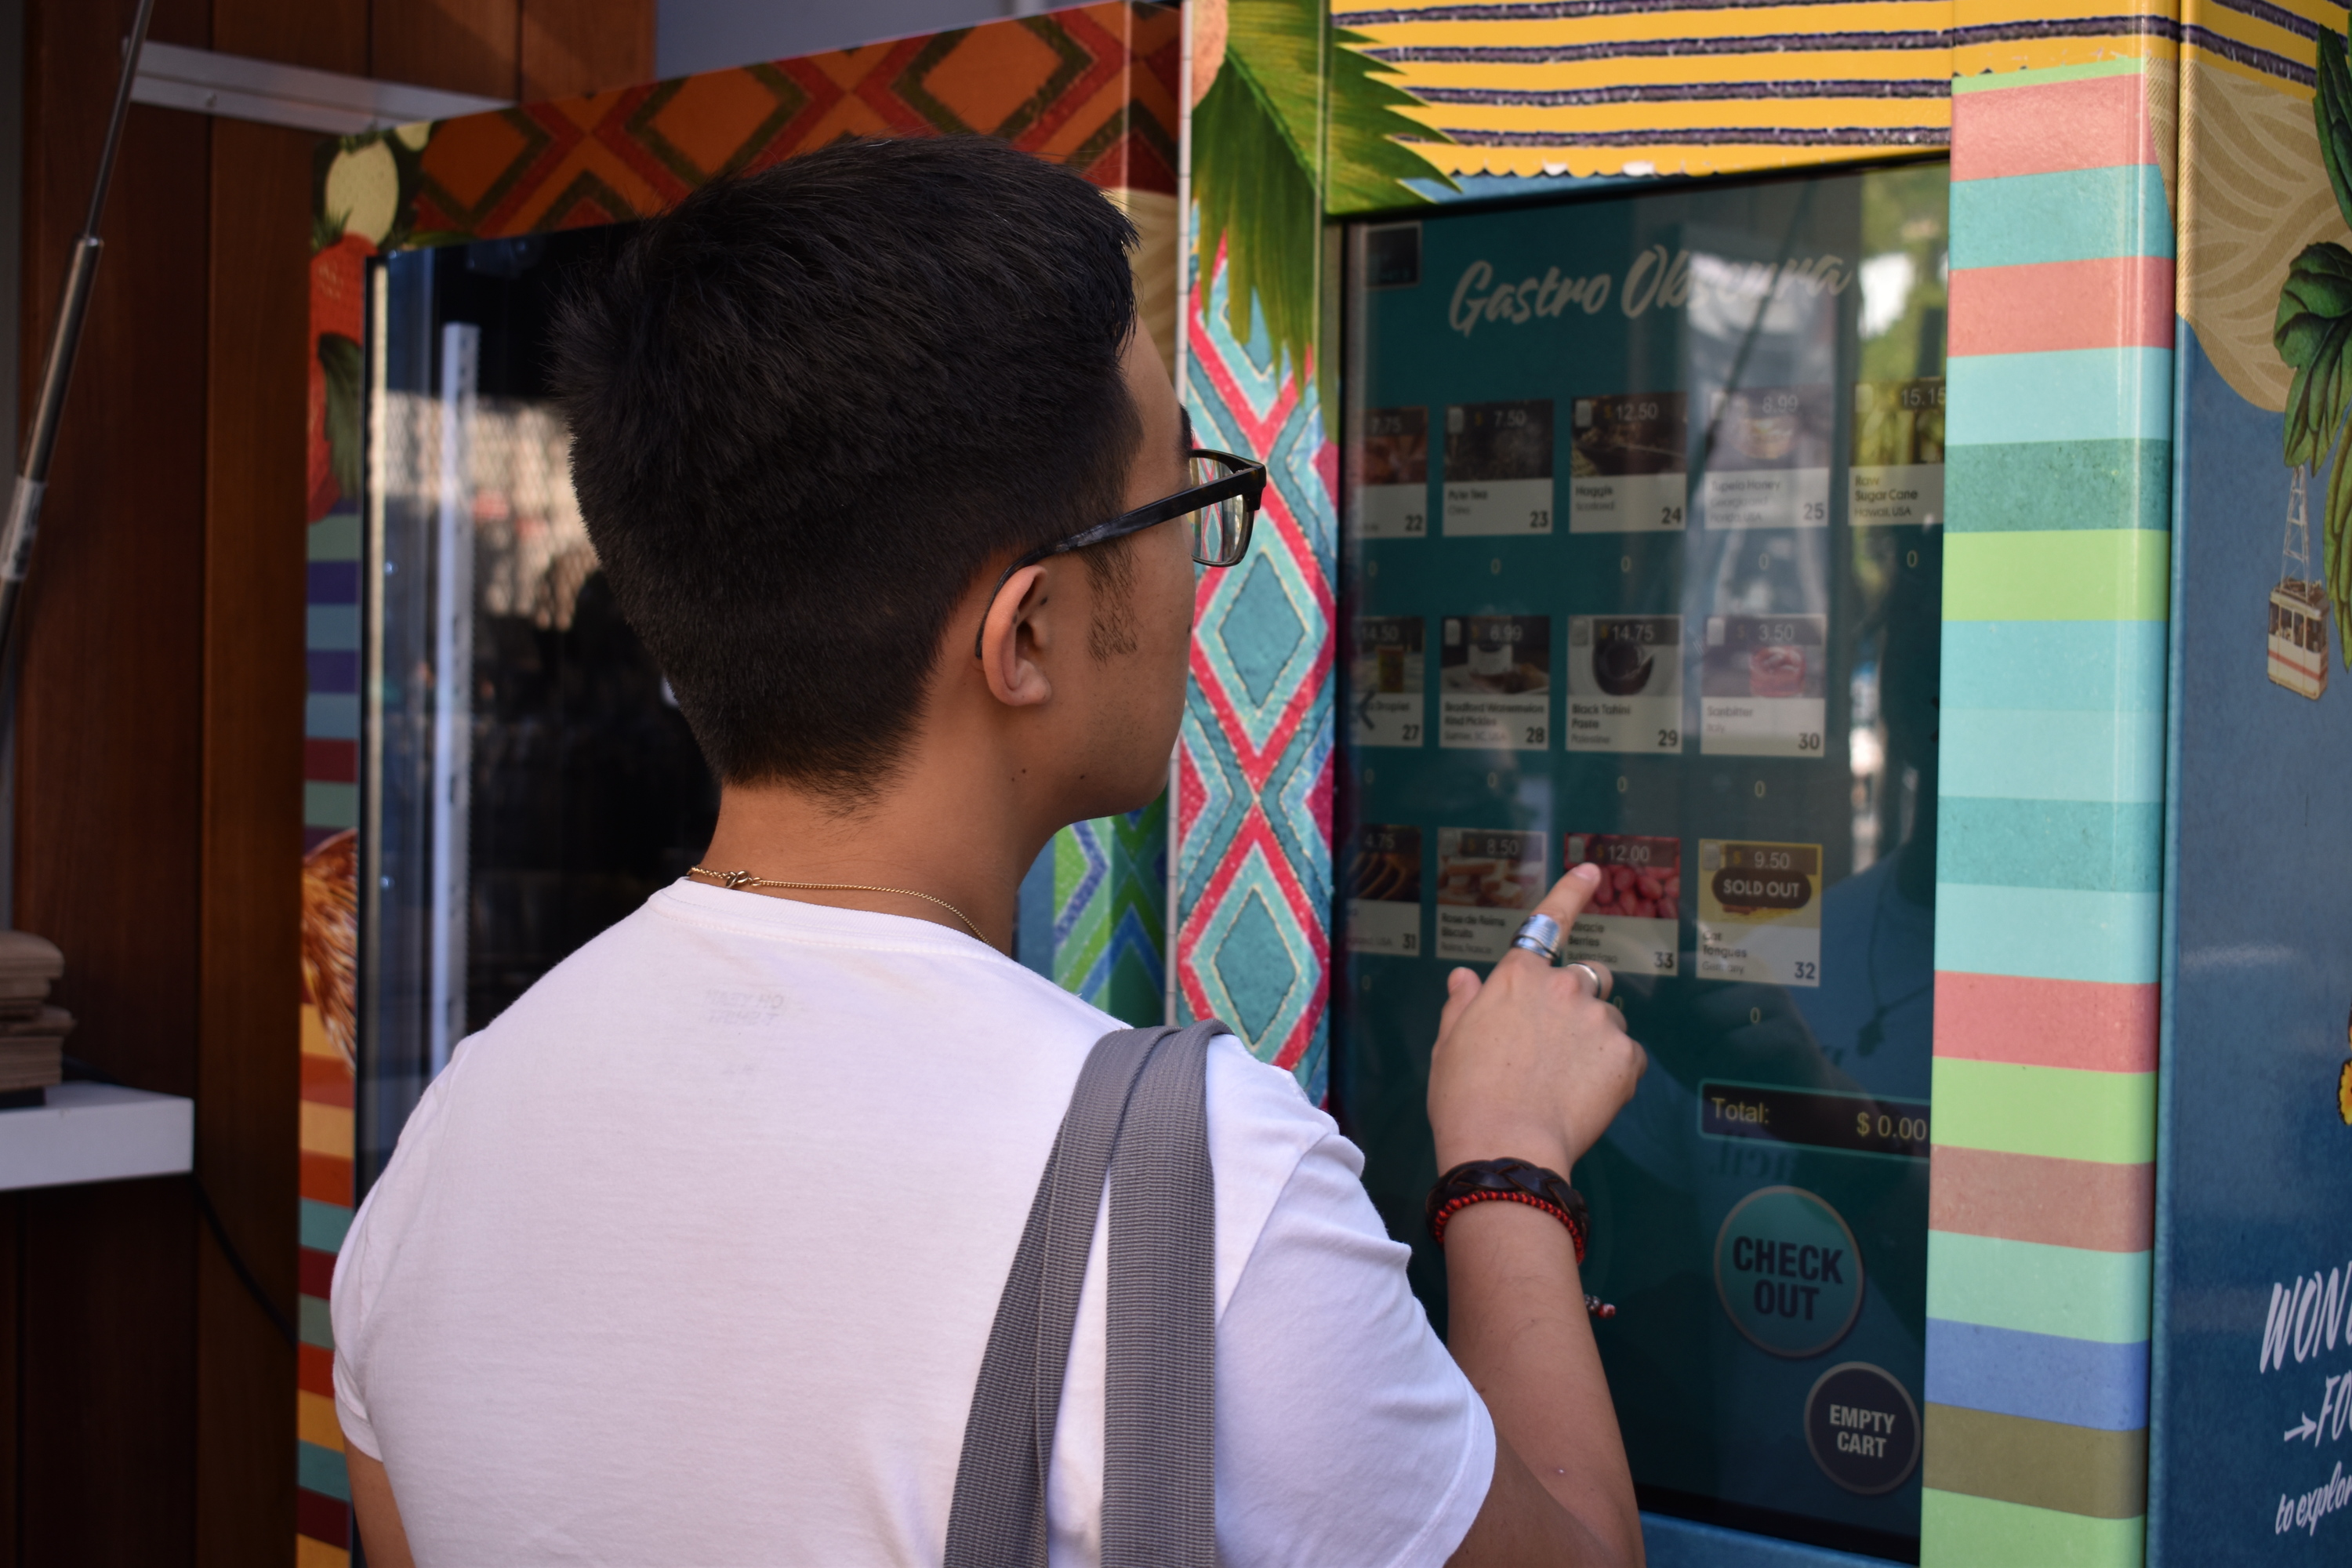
[528,778]
[1641,566]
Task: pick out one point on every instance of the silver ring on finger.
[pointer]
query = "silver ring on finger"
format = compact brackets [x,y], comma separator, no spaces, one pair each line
[1600,981]
[1539,934]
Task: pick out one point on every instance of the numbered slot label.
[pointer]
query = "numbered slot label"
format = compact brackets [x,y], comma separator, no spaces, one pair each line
[1488,878]
[1759,913]
[1625,683]
[1498,468]
[1762,686]
[1629,463]
[1634,922]
[1897,478]
[1495,683]
[1389,494]
[1388,708]
[1384,890]
[1768,463]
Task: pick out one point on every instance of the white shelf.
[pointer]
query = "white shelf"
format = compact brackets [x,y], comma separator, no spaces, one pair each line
[96,1133]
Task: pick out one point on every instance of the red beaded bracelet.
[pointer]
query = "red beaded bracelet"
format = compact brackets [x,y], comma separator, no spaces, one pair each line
[1521,1181]
[1454,1206]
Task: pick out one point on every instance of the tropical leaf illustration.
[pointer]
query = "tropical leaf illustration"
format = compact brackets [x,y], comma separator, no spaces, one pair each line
[2313,333]
[1271,150]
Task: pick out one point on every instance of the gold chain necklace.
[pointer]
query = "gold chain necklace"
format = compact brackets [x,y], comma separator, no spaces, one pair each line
[745,879]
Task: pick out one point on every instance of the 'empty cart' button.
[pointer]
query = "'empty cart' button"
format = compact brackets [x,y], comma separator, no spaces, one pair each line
[1863,1428]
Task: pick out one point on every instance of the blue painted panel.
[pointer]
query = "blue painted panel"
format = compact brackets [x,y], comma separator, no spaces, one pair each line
[2254,1159]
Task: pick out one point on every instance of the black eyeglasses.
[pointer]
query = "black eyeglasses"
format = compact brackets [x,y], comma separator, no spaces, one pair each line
[1223,499]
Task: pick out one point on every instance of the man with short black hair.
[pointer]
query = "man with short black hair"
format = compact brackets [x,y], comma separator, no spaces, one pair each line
[691,1256]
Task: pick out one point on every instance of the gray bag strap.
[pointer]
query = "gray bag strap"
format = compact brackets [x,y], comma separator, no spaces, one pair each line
[1138,1116]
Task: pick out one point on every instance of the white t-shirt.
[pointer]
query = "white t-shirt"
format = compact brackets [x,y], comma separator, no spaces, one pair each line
[689,1259]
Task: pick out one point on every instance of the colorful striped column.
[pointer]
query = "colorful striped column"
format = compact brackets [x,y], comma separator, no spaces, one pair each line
[330,813]
[2050,831]
[322,1487]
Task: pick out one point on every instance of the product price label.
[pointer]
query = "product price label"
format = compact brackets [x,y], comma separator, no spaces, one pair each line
[1498,468]
[1383,890]
[1488,879]
[1628,465]
[1759,913]
[1388,708]
[1633,923]
[1762,680]
[1495,683]
[1767,462]
[1625,683]
[1897,478]
[1388,493]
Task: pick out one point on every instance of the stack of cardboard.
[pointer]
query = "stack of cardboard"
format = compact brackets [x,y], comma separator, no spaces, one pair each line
[32,1033]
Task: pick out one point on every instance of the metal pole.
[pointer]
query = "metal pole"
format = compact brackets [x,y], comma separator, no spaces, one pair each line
[57,371]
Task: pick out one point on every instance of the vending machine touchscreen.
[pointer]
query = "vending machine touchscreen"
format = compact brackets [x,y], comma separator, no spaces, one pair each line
[1641,567]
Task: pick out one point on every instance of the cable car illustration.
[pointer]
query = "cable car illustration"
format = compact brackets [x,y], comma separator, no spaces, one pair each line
[2299,612]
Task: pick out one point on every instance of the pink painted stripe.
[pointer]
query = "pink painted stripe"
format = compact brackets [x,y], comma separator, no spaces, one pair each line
[2113,302]
[2096,125]
[2085,1023]
[2031,1197]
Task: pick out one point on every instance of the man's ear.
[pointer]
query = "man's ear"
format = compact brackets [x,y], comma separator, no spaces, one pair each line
[1017,632]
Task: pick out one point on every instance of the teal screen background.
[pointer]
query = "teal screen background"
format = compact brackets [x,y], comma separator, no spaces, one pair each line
[1812,283]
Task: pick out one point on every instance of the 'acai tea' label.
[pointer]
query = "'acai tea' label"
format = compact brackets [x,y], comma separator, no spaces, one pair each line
[1499,469]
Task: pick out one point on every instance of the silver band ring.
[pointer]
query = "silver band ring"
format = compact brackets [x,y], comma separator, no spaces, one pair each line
[1539,934]
[1600,987]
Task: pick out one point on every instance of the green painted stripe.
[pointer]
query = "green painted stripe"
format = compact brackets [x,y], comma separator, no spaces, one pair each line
[330,806]
[323,1225]
[2059,1113]
[2091,845]
[1995,81]
[2043,1464]
[322,1471]
[336,537]
[1957,1531]
[312,1325]
[2051,487]
[2069,1292]
[2082,574]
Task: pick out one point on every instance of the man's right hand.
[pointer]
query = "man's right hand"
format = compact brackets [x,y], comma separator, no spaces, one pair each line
[1532,1064]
